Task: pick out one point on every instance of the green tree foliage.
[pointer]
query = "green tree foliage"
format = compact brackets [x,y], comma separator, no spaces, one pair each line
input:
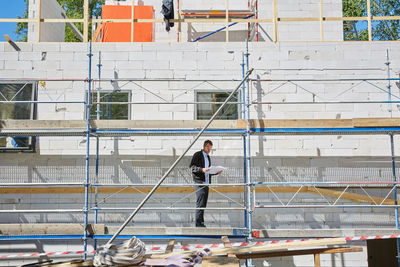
[386,29]
[73,9]
[22,27]
[381,30]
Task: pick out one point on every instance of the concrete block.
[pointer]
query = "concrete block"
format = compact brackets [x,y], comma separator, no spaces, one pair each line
[159,74]
[73,65]
[192,55]
[209,65]
[18,65]
[122,65]
[35,74]
[148,55]
[24,56]
[336,152]
[183,46]
[59,56]
[156,64]
[46,65]
[11,74]
[159,115]
[115,55]
[173,107]
[144,144]
[25,47]
[135,74]
[129,47]
[74,74]
[183,115]
[221,55]
[47,47]
[75,47]
[146,47]
[183,65]
[168,55]
[100,47]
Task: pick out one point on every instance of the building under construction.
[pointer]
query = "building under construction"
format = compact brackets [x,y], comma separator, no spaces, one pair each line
[306,128]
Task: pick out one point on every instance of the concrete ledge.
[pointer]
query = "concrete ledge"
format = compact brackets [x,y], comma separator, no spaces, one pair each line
[197,124]
[185,127]
[115,124]
[50,229]
[184,231]
[101,229]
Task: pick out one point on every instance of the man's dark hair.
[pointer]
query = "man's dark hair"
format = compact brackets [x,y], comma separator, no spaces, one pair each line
[207,142]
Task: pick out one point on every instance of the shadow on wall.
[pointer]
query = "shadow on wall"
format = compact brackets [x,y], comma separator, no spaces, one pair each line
[234,35]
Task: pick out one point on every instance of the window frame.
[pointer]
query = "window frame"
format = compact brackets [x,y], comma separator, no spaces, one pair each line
[94,92]
[31,148]
[239,97]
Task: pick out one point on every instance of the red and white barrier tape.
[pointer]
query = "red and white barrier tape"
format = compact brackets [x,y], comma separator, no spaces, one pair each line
[198,246]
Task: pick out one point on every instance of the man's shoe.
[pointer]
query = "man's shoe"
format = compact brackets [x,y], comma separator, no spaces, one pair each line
[200,225]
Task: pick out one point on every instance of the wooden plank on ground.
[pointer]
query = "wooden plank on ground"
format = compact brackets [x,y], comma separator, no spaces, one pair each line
[287,253]
[263,248]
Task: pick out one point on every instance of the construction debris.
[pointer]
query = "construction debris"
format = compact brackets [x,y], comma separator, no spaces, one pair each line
[130,252]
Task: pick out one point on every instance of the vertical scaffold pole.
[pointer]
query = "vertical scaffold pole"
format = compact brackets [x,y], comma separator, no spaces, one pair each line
[96,213]
[249,262]
[389,86]
[244,141]
[87,181]
[396,210]
[256,11]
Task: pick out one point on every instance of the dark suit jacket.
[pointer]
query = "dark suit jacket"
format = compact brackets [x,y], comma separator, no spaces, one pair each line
[196,166]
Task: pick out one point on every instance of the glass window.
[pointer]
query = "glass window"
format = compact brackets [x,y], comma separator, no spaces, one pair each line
[205,111]
[17,91]
[111,111]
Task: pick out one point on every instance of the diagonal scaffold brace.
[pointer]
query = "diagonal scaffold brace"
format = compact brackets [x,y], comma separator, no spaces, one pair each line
[178,160]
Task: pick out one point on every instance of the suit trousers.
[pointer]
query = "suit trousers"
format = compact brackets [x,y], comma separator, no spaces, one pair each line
[201,202]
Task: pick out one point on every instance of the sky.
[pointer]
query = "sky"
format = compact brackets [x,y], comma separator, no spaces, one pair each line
[10,9]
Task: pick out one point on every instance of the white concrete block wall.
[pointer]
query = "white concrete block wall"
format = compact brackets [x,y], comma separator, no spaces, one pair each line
[203,60]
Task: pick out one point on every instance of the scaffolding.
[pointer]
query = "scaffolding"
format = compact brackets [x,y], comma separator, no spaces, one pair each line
[244,128]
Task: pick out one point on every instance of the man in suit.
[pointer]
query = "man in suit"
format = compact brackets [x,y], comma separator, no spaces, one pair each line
[200,166]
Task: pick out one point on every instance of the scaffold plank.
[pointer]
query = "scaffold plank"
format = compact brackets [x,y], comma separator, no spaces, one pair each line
[299,252]
[353,197]
[195,124]
[356,126]
[50,229]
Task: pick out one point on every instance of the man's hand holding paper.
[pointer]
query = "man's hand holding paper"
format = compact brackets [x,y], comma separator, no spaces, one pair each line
[216,169]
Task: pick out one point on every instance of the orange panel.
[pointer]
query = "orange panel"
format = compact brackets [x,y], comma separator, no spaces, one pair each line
[143,31]
[121,32]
